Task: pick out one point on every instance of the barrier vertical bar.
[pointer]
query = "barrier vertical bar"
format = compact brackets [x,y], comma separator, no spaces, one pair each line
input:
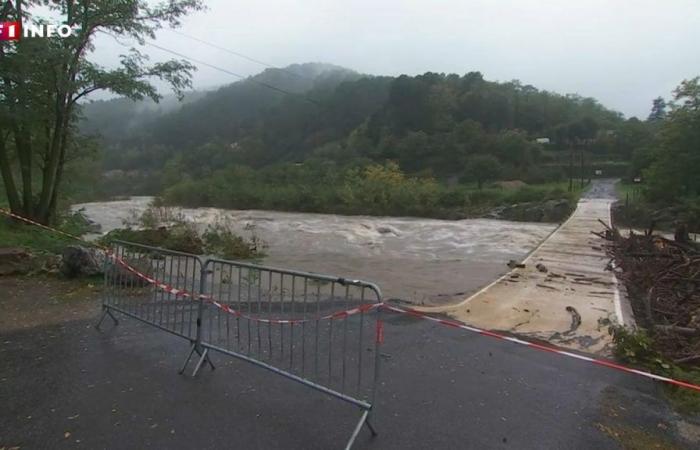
[197,346]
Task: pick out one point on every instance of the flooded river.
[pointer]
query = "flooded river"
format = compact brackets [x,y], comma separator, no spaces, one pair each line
[420,260]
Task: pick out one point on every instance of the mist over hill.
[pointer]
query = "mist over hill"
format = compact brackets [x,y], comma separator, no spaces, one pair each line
[120,119]
[431,121]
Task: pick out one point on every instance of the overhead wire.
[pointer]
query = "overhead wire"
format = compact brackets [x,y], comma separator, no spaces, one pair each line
[221,69]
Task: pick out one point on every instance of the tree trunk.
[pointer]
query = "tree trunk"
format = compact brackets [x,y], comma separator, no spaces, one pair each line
[51,213]
[24,154]
[51,169]
[8,178]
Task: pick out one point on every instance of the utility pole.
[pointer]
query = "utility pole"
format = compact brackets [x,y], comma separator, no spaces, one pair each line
[571,168]
[582,168]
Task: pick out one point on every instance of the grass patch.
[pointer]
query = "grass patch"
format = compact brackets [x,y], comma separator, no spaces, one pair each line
[629,193]
[18,234]
[637,348]
[631,438]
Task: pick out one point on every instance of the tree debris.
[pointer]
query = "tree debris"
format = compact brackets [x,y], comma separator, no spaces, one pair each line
[663,282]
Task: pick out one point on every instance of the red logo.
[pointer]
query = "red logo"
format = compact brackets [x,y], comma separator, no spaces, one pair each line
[10,31]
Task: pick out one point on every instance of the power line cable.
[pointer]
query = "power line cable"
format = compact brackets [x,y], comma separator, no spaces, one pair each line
[221,69]
[235,53]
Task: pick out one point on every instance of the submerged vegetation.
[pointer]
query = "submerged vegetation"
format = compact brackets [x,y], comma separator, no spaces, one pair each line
[164,227]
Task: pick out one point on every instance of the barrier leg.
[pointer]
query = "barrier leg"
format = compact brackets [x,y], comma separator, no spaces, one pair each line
[204,356]
[364,420]
[106,313]
[189,356]
[371,427]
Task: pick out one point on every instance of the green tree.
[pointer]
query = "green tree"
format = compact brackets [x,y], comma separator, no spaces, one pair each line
[43,80]
[673,174]
[482,168]
[658,110]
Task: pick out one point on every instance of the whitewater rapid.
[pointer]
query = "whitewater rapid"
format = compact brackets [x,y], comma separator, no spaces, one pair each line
[419,260]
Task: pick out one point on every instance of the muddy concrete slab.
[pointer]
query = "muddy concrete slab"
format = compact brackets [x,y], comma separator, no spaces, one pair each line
[566,293]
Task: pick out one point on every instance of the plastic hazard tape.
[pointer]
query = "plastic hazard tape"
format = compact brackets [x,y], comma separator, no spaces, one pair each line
[108,252]
[186,294]
[336,315]
[227,309]
[546,348]
[45,227]
[365,308]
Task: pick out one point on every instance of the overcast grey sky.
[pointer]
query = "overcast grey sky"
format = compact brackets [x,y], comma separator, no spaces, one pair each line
[622,52]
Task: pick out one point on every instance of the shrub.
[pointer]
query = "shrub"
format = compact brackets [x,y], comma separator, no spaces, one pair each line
[219,240]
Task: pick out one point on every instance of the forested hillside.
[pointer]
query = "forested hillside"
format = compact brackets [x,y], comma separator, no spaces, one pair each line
[432,121]
[272,141]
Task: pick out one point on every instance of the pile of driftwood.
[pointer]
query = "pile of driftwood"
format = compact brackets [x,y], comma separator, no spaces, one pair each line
[662,278]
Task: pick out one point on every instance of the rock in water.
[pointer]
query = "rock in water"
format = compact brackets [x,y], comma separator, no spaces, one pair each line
[81,261]
[387,230]
[513,264]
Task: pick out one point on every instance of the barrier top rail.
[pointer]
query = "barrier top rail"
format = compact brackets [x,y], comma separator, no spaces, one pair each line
[329,278]
[205,260]
[159,249]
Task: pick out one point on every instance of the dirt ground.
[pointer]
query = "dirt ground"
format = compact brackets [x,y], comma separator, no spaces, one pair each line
[29,302]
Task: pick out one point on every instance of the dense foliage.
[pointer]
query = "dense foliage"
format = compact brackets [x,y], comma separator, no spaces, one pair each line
[669,163]
[338,141]
[431,122]
[42,81]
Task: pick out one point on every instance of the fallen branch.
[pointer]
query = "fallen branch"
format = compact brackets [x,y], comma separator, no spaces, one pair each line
[676,329]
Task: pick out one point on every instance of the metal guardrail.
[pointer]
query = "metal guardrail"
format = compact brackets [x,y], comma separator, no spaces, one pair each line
[318,330]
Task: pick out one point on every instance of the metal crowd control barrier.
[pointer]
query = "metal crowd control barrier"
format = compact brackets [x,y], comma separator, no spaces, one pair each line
[318,330]
[127,293]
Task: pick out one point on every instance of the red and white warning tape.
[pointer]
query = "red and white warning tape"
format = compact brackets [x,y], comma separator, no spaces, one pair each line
[366,308]
[336,315]
[186,294]
[546,348]
[53,230]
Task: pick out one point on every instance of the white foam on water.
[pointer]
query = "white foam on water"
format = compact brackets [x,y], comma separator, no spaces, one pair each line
[411,258]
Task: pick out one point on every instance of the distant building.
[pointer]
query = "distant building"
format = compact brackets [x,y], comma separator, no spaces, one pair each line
[542,140]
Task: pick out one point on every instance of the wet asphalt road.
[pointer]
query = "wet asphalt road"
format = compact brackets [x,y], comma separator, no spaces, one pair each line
[70,386]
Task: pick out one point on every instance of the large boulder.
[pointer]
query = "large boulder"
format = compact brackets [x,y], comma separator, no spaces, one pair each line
[119,275]
[77,260]
[15,261]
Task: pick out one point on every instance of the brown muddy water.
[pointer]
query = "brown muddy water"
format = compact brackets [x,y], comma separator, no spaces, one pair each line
[424,261]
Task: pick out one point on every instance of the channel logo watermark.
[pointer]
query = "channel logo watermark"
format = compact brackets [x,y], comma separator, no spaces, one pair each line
[13,31]
[10,31]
